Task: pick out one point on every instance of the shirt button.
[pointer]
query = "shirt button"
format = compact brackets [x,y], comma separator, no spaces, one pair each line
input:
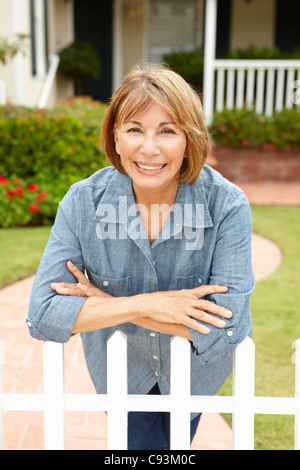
[199,280]
[29,324]
[229,333]
[105,283]
[156,373]
[153,263]
[155,357]
[152,334]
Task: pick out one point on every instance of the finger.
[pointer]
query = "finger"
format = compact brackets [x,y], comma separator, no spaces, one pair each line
[197,326]
[63,288]
[77,273]
[213,308]
[210,319]
[201,291]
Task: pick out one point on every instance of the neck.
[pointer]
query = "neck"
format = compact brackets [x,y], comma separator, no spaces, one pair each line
[151,197]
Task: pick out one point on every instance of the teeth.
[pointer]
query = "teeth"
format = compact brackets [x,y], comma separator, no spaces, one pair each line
[153,168]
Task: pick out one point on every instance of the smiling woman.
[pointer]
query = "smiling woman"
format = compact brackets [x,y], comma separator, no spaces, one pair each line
[144,278]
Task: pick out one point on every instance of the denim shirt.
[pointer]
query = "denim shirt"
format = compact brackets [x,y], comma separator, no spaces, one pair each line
[98,228]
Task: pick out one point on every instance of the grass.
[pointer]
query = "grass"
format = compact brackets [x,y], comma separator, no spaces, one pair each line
[21,250]
[275,309]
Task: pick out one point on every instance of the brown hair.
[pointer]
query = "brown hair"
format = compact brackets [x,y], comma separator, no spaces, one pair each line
[145,85]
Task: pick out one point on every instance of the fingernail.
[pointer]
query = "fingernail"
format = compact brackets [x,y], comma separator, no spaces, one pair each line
[227,313]
[224,288]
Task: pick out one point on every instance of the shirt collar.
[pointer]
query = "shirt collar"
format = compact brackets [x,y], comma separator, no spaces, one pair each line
[119,196]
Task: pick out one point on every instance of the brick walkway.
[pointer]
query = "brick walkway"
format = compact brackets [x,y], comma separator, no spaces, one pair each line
[22,368]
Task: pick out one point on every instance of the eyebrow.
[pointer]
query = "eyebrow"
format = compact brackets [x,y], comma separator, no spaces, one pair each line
[164,123]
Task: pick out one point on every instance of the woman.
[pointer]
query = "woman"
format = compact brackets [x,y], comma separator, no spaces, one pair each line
[165,243]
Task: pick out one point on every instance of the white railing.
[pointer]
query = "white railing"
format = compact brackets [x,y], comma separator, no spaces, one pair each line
[266,86]
[243,404]
[54,62]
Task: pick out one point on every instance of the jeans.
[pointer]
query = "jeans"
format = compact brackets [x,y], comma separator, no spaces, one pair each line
[151,430]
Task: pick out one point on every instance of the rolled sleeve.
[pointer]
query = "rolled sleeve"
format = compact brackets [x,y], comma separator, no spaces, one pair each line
[52,316]
[231,267]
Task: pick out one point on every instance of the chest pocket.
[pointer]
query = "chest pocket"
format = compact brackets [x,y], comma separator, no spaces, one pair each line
[115,287]
[194,280]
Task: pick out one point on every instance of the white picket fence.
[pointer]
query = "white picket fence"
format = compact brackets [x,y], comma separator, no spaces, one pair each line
[243,404]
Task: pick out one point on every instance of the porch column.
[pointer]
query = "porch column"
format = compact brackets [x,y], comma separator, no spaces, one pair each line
[117,44]
[209,58]
[16,19]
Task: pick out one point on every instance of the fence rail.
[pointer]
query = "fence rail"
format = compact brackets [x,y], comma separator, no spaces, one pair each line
[267,86]
[243,404]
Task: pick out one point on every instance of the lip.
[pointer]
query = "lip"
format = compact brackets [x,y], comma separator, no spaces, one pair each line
[145,171]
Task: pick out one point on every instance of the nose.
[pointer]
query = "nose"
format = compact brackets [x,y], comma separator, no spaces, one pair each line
[149,146]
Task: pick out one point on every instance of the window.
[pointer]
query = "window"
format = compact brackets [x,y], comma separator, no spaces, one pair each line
[173,25]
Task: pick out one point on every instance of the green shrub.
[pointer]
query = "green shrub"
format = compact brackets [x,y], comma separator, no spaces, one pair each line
[52,148]
[189,64]
[77,61]
[244,127]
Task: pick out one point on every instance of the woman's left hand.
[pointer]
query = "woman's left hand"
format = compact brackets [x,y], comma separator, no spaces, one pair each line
[82,289]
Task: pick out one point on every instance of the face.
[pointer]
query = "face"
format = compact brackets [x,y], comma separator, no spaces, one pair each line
[152,148]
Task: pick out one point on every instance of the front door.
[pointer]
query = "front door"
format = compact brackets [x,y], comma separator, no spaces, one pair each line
[93,24]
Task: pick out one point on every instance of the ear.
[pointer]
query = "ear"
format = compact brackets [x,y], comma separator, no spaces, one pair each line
[116,139]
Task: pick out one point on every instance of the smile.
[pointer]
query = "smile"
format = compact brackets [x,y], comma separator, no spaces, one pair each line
[149,168]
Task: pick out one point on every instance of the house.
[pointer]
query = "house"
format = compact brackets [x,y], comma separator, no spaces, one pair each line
[124,32]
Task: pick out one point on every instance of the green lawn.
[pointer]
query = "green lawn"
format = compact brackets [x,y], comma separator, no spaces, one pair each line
[275,309]
[21,250]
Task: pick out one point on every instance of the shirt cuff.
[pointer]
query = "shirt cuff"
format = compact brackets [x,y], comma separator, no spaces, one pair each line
[58,320]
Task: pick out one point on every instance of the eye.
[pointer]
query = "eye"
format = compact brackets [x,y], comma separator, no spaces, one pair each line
[168,130]
[134,130]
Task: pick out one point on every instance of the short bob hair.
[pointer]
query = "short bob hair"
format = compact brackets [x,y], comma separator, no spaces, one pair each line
[149,84]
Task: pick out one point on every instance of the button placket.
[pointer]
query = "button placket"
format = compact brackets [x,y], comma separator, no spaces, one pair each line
[155,353]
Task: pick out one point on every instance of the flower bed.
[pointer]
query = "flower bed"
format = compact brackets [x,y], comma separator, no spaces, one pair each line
[23,203]
[252,147]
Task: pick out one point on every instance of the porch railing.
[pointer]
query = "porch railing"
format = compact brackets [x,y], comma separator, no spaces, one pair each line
[243,404]
[266,86]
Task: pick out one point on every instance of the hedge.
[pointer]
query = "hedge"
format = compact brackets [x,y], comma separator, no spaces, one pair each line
[245,128]
[51,149]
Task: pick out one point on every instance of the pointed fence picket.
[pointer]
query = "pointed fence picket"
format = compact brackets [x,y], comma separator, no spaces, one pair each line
[243,404]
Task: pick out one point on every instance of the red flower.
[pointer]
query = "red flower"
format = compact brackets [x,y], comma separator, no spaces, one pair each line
[42,196]
[32,187]
[245,142]
[19,191]
[10,194]
[222,128]
[3,181]
[34,207]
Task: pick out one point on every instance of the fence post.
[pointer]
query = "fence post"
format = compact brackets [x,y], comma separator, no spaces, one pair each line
[180,394]
[297,396]
[117,392]
[243,393]
[209,58]
[54,400]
